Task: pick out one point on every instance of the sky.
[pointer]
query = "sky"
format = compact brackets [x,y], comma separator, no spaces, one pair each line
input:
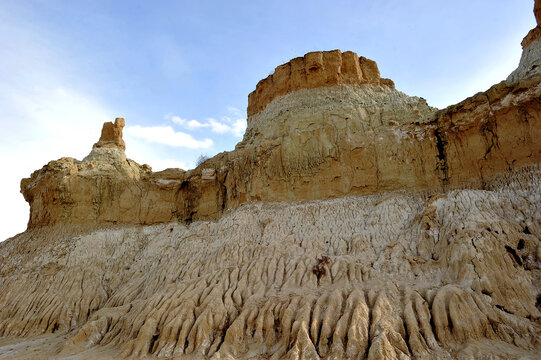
[180,72]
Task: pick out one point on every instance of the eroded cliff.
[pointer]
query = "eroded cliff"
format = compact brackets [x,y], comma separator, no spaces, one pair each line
[315,70]
[306,145]
[352,221]
[395,275]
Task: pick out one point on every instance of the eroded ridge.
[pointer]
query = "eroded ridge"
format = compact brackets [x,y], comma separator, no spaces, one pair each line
[396,275]
[391,142]
[315,69]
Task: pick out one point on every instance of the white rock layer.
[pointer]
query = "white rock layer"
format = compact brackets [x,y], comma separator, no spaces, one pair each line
[397,275]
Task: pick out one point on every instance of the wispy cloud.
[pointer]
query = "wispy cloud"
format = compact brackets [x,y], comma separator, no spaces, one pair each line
[188,124]
[235,126]
[166,135]
[226,124]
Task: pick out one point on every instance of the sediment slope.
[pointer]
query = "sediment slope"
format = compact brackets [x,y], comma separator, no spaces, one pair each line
[382,276]
[352,221]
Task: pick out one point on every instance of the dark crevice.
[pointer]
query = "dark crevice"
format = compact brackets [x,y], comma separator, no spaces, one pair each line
[513,254]
[442,157]
[189,219]
[370,324]
[504,309]
[221,335]
[488,131]
[319,269]
[152,342]
[520,245]
[190,197]
[224,198]
[527,230]
[175,213]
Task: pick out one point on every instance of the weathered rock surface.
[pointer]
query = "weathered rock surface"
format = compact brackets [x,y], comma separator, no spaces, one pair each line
[307,145]
[352,222]
[111,135]
[395,275]
[314,70]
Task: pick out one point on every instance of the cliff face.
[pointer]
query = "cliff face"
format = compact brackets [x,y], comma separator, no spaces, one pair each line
[388,276]
[315,70]
[306,145]
[352,221]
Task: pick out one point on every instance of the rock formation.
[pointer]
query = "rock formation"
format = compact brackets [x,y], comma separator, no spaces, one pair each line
[111,135]
[351,222]
[311,144]
[394,275]
[315,70]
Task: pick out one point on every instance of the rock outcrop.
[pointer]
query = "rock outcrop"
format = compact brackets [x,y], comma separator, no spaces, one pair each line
[314,70]
[311,144]
[351,222]
[111,135]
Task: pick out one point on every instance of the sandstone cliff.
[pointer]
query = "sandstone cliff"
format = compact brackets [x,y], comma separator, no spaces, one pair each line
[310,144]
[315,70]
[352,221]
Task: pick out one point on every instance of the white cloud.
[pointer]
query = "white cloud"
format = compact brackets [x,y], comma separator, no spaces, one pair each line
[194,124]
[188,124]
[218,127]
[176,119]
[166,135]
[236,126]
[239,127]
[145,153]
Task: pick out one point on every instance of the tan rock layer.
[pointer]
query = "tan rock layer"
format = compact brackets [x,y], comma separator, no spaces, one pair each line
[111,135]
[463,145]
[315,69]
[533,35]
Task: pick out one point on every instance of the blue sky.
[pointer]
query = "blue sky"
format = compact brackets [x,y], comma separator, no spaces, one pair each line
[180,72]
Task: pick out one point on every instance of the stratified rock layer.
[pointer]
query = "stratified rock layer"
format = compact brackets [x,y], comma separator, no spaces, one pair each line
[314,70]
[419,234]
[307,145]
[395,275]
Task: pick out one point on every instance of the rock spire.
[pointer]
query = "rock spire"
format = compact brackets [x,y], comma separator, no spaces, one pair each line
[111,135]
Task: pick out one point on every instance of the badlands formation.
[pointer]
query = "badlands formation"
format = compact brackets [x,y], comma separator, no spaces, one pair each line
[351,222]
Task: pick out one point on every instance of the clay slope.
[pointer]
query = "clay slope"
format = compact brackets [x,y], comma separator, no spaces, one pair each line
[352,222]
[388,276]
